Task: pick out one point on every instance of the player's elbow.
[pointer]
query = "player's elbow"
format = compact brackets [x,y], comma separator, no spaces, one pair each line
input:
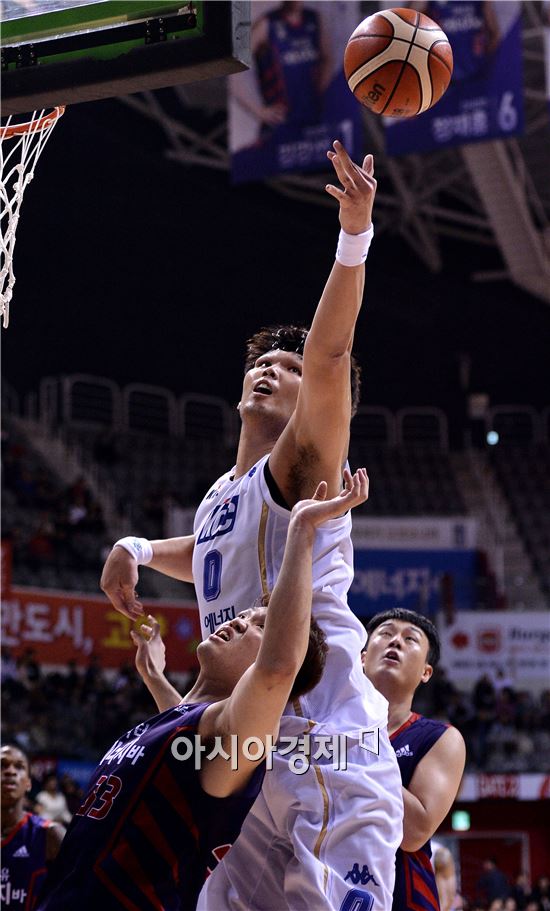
[413,840]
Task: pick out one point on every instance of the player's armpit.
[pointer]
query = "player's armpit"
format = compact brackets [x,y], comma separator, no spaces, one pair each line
[314,444]
[433,789]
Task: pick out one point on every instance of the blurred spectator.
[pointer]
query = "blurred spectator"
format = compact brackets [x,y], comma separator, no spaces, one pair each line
[484,702]
[541,893]
[29,669]
[9,666]
[50,527]
[74,794]
[41,548]
[51,803]
[492,884]
[501,680]
[521,890]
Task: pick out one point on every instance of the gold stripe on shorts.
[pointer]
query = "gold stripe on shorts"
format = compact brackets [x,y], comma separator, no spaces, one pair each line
[322,834]
[261,548]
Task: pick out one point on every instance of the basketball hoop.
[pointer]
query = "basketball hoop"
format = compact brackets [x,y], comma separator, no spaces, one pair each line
[17,164]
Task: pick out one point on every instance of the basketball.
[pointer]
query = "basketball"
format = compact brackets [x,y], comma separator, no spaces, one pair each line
[398,63]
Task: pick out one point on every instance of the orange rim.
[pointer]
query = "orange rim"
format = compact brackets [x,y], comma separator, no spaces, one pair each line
[32,126]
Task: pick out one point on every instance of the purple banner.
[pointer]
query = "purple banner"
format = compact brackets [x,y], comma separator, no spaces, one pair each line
[287,109]
[485,98]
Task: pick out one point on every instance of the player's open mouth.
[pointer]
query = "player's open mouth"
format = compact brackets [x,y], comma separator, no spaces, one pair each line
[262,388]
[224,633]
[392,655]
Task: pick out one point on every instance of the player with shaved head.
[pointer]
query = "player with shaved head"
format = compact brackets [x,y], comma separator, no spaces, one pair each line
[29,842]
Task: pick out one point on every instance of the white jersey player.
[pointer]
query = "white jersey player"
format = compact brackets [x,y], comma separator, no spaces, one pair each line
[325,839]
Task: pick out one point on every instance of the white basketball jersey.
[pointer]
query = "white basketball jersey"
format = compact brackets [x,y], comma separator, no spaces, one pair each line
[240,535]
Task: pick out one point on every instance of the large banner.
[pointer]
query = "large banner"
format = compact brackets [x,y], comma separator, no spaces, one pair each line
[483,642]
[424,580]
[504,787]
[287,109]
[485,97]
[415,533]
[68,627]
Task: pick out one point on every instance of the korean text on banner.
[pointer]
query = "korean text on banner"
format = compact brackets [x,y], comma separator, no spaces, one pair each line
[485,98]
[70,627]
[286,110]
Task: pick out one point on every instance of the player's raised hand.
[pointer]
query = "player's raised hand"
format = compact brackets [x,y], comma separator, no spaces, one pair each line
[118,580]
[150,649]
[356,191]
[318,510]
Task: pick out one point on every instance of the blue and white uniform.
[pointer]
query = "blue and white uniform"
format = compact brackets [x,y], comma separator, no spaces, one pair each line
[147,834]
[328,836]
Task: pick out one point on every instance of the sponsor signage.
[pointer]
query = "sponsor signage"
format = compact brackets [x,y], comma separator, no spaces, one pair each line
[424,580]
[407,533]
[485,642]
[504,787]
[62,627]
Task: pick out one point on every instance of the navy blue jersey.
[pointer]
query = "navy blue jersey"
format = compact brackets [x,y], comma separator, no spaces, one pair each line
[464,24]
[24,862]
[288,65]
[146,834]
[415,888]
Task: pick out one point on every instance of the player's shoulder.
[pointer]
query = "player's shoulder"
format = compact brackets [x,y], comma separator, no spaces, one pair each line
[40,822]
[426,731]
[439,733]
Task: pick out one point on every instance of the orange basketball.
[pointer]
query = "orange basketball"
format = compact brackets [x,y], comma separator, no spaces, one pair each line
[398,63]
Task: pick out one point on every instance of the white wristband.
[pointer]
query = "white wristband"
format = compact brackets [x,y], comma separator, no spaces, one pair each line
[352,249]
[140,548]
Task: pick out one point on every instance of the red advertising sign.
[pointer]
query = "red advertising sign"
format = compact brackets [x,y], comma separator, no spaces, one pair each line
[63,627]
[6,558]
[499,786]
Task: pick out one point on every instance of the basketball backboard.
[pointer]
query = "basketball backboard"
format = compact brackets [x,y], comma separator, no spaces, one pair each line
[57,52]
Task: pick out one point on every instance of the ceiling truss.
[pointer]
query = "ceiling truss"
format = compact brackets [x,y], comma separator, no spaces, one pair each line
[422,198]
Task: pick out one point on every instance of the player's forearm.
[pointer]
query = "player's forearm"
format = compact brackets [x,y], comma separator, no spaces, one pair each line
[286,633]
[331,333]
[174,557]
[162,691]
[417,825]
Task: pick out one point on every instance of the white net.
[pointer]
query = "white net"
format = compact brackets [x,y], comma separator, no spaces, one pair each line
[20,148]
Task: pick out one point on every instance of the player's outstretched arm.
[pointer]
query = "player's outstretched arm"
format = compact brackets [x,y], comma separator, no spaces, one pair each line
[255,707]
[119,579]
[432,789]
[150,663]
[320,424]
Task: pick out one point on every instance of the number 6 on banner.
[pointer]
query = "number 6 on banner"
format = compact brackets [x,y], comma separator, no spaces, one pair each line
[507,113]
